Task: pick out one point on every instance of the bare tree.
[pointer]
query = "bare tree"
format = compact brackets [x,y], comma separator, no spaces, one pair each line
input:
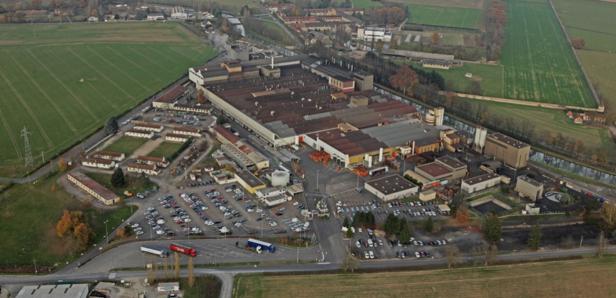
[191,274]
[491,252]
[453,255]
[350,263]
[177,264]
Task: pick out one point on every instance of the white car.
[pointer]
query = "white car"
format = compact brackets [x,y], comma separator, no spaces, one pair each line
[371,254]
[160,221]
[366,255]
[160,232]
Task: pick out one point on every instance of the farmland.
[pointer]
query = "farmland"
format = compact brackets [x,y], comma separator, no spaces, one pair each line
[538,63]
[549,279]
[468,18]
[599,33]
[63,81]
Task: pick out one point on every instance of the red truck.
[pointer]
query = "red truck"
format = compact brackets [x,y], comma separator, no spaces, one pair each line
[183,249]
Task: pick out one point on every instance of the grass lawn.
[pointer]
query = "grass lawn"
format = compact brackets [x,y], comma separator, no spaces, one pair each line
[447,3]
[135,184]
[490,78]
[126,145]
[63,81]
[366,4]
[29,213]
[555,122]
[208,286]
[274,32]
[576,278]
[457,17]
[166,150]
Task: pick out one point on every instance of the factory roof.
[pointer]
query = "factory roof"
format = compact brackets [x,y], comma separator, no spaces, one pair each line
[531,181]
[391,184]
[249,178]
[434,169]
[451,162]
[54,291]
[480,178]
[403,133]
[350,143]
[508,140]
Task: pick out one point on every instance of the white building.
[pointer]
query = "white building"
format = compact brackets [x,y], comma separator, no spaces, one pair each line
[176,138]
[54,291]
[110,155]
[139,134]
[391,187]
[92,187]
[156,17]
[179,13]
[481,182]
[144,126]
[150,170]
[99,163]
[370,34]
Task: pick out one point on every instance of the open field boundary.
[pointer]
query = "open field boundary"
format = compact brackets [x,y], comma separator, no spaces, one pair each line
[528,103]
[600,104]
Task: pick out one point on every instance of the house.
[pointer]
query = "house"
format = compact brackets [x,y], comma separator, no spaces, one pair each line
[156,17]
[160,162]
[150,170]
[391,187]
[93,188]
[481,182]
[110,155]
[98,163]
[176,138]
[139,134]
[145,126]
[187,131]
[530,188]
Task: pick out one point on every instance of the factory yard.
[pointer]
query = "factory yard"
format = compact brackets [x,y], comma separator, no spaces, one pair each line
[63,82]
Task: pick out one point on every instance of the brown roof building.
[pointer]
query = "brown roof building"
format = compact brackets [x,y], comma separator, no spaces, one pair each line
[508,150]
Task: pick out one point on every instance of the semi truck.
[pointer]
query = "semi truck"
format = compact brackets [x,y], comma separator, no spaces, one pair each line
[260,246]
[163,253]
[189,251]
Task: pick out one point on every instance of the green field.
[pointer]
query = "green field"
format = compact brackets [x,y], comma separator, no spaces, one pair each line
[126,145]
[166,150]
[539,63]
[468,18]
[29,213]
[63,81]
[599,32]
[490,78]
[366,4]
[577,278]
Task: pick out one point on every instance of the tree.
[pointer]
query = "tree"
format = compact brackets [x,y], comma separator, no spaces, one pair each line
[578,43]
[608,217]
[82,234]
[491,228]
[124,232]
[405,232]
[62,165]
[534,237]
[428,225]
[200,97]
[474,88]
[111,126]
[346,222]
[64,224]
[117,179]
[462,216]
[491,252]
[391,225]
[349,263]
[436,38]
[453,255]
[404,79]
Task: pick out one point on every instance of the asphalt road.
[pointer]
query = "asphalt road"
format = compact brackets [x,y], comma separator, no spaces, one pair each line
[227,274]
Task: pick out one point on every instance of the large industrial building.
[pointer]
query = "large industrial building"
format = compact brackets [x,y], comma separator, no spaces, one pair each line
[287,101]
[92,187]
[391,187]
[508,150]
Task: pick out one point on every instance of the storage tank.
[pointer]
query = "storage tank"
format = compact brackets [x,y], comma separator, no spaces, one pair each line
[280,178]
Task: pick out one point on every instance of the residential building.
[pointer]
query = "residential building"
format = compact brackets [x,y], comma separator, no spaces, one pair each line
[139,134]
[93,188]
[110,155]
[481,182]
[176,138]
[139,168]
[187,131]
[160,162]
[510,151]
[98,163]
[391,187]
[146,126]
[374,34]
[529,188]
[155,17]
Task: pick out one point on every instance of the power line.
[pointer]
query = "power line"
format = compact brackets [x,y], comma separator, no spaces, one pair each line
[28,159]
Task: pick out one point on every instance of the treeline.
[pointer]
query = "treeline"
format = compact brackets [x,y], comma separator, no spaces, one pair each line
[392,15]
